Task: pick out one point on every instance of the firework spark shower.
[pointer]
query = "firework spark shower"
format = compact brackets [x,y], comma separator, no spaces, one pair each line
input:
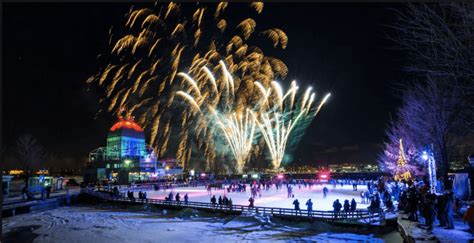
[141,70]
[276,114]
[278,121]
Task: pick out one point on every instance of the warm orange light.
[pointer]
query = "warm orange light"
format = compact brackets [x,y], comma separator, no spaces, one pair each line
[16,172]
[126,123]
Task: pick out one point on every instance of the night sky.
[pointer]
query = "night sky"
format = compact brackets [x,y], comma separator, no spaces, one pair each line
[50,49]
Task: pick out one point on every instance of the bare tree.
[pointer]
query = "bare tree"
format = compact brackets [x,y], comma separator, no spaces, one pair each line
[438,105]
[439,41]
[30,153]
[430,115]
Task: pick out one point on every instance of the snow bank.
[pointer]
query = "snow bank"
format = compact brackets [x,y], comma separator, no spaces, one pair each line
[106,224]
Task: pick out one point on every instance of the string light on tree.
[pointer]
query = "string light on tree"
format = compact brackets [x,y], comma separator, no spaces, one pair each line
[402,171]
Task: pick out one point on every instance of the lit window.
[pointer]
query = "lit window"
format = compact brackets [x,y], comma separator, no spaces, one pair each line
[107,166]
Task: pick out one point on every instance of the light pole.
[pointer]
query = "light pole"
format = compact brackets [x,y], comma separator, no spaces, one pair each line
[428,156]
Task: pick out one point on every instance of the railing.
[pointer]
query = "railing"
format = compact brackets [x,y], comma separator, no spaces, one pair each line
[365,216]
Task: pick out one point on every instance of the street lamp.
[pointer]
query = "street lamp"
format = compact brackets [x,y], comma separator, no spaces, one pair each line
[424,156]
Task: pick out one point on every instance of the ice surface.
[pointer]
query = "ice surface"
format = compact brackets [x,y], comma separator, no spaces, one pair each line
[272,197]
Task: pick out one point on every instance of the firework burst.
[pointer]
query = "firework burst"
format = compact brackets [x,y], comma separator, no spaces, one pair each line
[146,53]
[280,115]
[219,107]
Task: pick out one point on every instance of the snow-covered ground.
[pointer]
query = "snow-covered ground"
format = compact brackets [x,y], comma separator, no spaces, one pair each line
[272,197]
[138,224]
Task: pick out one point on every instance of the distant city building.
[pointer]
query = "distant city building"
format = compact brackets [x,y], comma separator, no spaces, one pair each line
[126,158]
[341,167]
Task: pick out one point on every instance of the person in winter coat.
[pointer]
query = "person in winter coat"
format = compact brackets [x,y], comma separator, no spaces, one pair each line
[337,207]
[309,205]
[225,200]
[440,204]
[469,216]
[448,210]
[186,198]
[353,205]
[429,212]
[297,206]
[213,200]
[177,197]
[251,200]
[347,206]
[230,203]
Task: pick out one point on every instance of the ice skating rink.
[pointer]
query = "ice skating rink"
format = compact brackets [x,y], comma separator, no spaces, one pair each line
[272,197]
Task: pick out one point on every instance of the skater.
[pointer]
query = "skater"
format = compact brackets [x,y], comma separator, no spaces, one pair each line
[325,192]
[362,197]
[251,200]
[297,206]
[209,190]
[367,196]
[177,197]
[213,200]
[354,186]
[309,204]
[290,191]
[186,198]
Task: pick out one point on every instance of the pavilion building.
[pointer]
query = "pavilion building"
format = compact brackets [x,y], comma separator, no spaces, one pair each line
[125,159]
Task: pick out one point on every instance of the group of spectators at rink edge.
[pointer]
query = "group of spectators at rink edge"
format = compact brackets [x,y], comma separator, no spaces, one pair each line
[417,202]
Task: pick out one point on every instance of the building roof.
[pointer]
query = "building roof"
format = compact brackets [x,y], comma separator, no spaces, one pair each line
[126,127]
[126,124]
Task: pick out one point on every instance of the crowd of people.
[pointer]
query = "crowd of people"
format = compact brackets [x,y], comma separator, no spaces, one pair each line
[410,197]
[420,204]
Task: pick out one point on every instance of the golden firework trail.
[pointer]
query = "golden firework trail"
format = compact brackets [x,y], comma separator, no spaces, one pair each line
[146,53]
[277,122]
[238,129]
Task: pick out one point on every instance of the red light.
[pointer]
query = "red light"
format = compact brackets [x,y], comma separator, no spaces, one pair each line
[126,123]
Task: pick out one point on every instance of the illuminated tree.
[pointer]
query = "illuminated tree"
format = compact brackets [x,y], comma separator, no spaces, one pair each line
[389,160]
